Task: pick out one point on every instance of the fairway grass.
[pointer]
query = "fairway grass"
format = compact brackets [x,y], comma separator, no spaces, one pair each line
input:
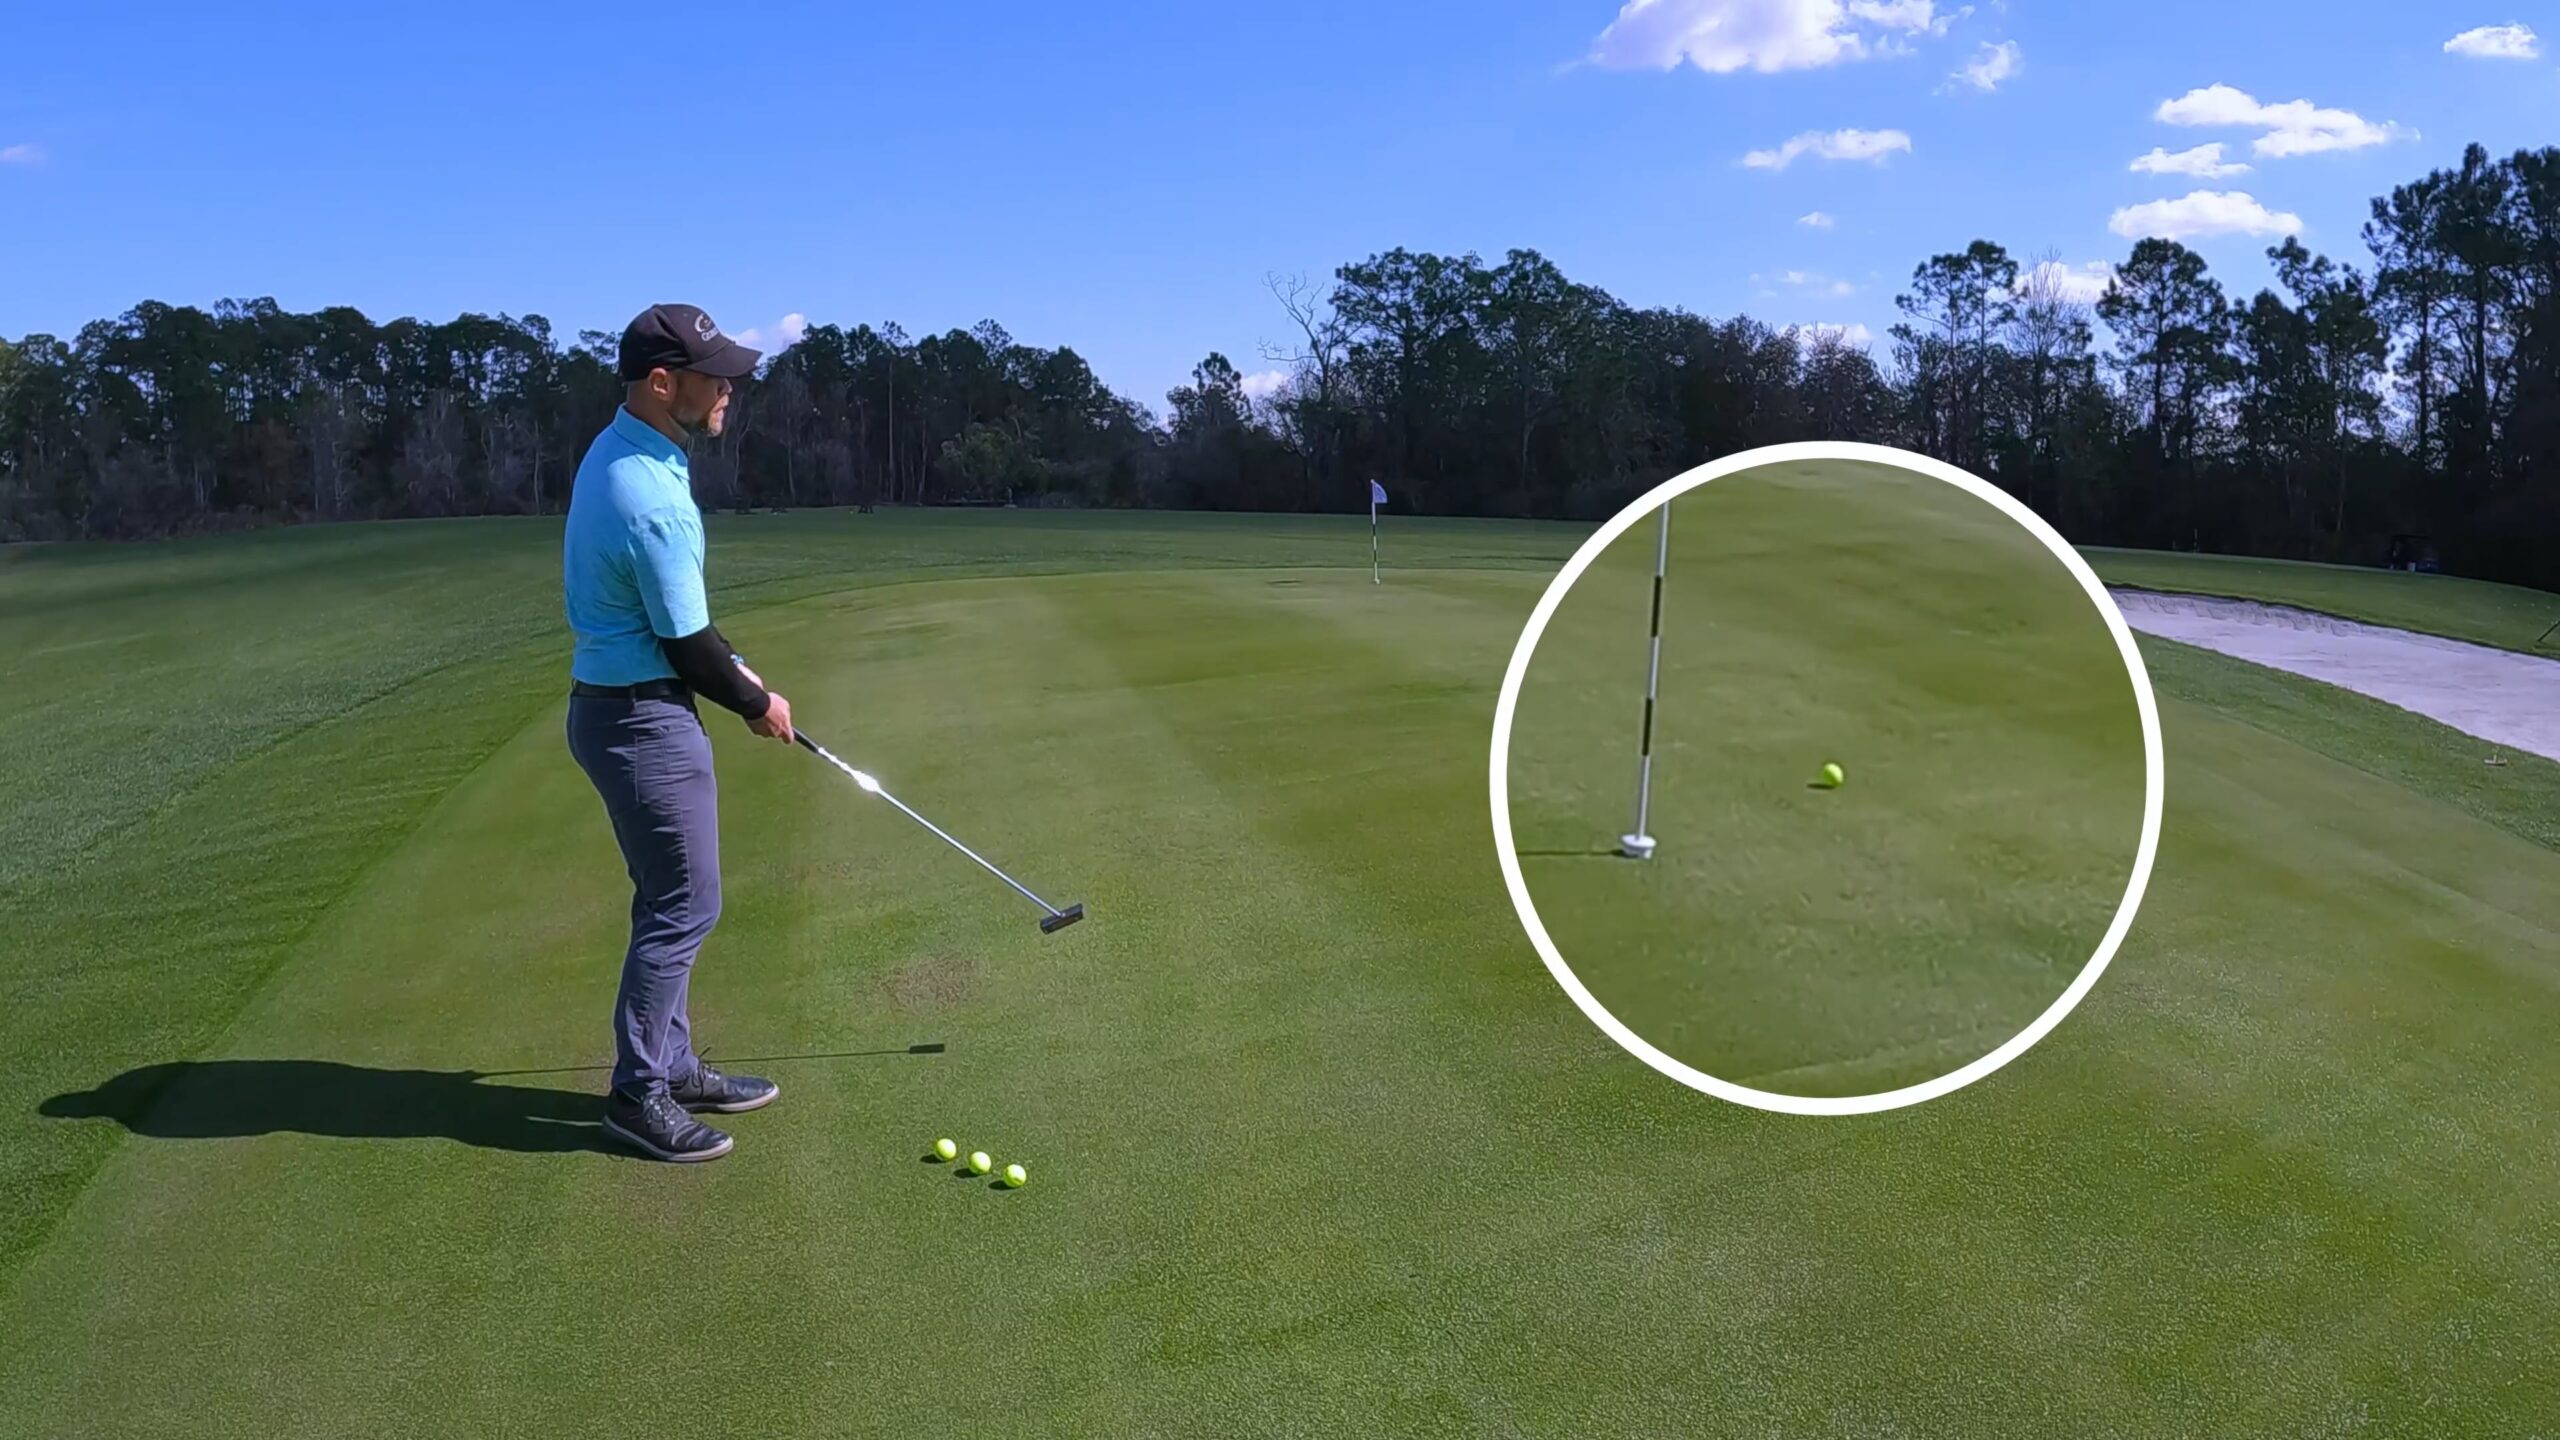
[1830,942]
[308,942]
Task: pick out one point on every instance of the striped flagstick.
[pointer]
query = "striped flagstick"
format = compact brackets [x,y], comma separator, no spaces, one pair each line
[1638,844]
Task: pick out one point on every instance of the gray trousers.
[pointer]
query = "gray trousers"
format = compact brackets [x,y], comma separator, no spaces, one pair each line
[650,760]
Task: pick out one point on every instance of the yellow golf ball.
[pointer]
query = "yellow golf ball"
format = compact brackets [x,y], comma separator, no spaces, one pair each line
[979,1164]
[1832,775]
[946,1148]
[1015,1177]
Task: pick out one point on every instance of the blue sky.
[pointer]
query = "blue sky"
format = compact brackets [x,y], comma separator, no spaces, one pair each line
[1121,178]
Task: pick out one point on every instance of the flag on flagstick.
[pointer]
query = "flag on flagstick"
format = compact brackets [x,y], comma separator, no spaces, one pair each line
[1377,497]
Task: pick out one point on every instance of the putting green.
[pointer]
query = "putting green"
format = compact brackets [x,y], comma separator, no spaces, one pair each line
[1830,942]
[1316,1145]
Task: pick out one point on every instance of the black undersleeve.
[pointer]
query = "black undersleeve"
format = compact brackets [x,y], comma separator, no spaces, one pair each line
[706,663]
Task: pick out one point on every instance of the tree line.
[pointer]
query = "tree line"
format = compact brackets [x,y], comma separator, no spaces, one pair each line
[2320,418]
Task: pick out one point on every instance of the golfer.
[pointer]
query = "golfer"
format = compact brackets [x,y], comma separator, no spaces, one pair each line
[631,570]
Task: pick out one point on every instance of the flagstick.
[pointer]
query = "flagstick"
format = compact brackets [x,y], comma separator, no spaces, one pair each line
[1373,540]
[1638,844]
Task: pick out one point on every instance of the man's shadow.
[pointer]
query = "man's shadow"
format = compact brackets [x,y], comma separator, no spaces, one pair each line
[225,1099]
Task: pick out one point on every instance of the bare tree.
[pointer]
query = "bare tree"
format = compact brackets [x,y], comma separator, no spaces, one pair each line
[1316,363]
[430,464]
[510,456]
[333,430]
[2049,337]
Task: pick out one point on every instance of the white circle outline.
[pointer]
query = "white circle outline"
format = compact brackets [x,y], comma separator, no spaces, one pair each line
[1617,1030]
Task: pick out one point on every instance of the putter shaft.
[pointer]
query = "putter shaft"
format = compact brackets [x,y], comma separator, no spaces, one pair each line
[965,850]
[1056,915]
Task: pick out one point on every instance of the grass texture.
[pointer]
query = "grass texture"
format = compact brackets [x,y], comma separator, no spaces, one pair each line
[309,925]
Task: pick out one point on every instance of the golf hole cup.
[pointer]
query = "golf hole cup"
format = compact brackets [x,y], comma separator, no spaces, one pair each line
[1826,778]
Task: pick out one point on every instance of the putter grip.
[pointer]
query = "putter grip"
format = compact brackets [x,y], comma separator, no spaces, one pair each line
[803,737]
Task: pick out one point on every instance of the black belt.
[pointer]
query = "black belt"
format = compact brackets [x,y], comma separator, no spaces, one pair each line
[645,690]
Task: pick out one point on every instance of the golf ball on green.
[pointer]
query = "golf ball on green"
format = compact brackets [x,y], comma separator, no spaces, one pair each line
[1015,1176]
[1831,774]
[979,1163]
[946,1149]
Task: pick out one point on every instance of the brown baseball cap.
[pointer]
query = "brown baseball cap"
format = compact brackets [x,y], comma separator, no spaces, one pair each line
[682,337]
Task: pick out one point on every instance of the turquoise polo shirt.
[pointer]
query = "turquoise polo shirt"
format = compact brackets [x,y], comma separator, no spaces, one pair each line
[631,560]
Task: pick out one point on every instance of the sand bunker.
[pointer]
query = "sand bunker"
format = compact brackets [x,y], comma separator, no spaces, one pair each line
[2500,696]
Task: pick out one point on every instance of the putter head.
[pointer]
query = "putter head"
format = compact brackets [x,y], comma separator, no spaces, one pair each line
[1052,924]
[1636,847]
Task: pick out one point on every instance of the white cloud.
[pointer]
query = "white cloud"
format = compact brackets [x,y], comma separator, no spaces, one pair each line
[1872,145]
[1856,335]
[22,155]
[1814,280]
[2203,212]
[1723,36]
[2082,285]
[2296,127]
[2204,160]
[780,336]
[1816,220]
[1989,66]
[1895,14]
[1919,17]
[2496,42]
[1263,384]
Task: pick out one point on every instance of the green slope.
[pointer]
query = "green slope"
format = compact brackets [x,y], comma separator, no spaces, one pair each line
[214,739]
[1317,1146]
[1831,942]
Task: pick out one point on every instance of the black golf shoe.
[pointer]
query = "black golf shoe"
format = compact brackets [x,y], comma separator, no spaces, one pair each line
[708,1089]
[659,1128]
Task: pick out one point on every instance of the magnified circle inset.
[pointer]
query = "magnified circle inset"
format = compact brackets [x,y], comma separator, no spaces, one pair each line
[1830,786]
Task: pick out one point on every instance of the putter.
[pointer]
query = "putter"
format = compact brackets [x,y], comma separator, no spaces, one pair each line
[1052,922]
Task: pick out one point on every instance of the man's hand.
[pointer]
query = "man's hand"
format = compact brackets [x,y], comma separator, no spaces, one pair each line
[775,724]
